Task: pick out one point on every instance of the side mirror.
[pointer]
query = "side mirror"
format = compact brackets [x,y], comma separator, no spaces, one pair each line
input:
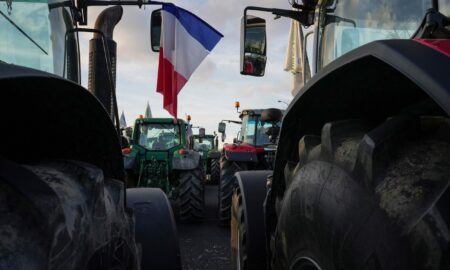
[253,46]
[222,127]
[155,30]
[235,140]
[201,132]
[129,132]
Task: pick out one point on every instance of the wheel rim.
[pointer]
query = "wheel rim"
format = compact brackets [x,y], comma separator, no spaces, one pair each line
[305,263]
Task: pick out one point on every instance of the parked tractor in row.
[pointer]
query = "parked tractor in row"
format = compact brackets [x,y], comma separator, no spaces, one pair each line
[207,146]
[160,158]
[62,180]
[253,149]
[362,169]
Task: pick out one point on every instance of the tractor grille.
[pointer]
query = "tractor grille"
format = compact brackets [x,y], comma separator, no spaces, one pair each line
[155,174]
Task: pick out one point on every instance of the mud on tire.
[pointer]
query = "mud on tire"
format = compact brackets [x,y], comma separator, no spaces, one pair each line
[192,195]
[368,198]
[63,214]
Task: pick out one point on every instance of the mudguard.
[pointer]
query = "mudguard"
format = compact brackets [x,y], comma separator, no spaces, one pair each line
[189,161]
[214,155]
[50,117]
[240,152]
[253,191]
[155,229]
[373,82]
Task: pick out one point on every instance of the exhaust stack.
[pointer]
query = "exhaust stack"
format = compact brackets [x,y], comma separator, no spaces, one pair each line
[98,80]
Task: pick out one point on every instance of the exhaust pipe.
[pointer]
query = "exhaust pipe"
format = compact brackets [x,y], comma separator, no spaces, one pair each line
[98,79]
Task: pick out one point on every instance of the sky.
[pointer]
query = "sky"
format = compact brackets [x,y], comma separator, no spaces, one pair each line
[210,93]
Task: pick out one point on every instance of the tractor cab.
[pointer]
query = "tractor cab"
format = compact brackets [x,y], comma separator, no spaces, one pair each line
[36,34]
[158,136]
[203,144]
[207,146]
[331,28]
[254,130]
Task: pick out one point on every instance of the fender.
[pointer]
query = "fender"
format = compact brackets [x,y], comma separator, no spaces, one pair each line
[48,117]
[189,161]
[372,82]
[240,152]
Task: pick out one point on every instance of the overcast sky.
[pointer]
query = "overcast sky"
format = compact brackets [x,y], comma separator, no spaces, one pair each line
[210,93]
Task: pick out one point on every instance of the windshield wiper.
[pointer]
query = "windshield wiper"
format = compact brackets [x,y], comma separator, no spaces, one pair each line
[23,32]
[336,19]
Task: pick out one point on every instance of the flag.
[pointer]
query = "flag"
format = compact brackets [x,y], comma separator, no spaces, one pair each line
[148,112]
[122,122]
[185,41]
[294,55]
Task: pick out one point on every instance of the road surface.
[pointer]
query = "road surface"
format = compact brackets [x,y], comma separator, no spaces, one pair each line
[205,246]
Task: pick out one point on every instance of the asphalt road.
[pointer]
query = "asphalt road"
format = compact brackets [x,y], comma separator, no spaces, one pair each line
[205,246]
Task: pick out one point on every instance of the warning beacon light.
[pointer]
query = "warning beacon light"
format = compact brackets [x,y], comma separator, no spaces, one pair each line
[237,105]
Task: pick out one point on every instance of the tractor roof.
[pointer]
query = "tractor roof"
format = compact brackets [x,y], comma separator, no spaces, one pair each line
[158,121]
[250,112]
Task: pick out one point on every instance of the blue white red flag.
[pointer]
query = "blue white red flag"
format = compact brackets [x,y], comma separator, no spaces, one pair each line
[185,41]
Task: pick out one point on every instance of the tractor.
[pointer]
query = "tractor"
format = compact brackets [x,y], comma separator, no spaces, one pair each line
[207,146]
[160,158]
[362,170]
[253,149]
[62,180]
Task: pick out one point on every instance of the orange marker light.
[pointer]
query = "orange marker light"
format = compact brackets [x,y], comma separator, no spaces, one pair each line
[183,151]
[188,117]
[237,104]
[141,116]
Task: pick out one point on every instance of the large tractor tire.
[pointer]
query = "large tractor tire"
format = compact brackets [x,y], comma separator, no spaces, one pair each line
[227,183]
[156,232]
[248,245]
[215,171]
[63,215]
[192,195]
[368,198]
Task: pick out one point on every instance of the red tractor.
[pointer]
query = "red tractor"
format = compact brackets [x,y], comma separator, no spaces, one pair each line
[361,178]
[253,149]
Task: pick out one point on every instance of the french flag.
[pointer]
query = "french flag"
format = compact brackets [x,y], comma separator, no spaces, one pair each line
[185,41]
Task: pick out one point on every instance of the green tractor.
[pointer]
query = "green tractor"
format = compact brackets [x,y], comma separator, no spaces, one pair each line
[207,147]
[160,158]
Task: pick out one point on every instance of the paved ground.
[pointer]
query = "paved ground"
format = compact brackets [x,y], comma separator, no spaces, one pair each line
[205,246]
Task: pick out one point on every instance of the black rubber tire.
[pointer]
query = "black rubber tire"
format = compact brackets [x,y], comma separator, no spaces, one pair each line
[63,214]
[156,231]
[225,190]
[238,232]
[370,201]
[248,246]
[191,199]
[215,171]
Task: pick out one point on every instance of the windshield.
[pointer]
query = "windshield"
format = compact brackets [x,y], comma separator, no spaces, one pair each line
[158,136]
[32,34]
[353,23]
[444,7]
[203,144]
[251,126]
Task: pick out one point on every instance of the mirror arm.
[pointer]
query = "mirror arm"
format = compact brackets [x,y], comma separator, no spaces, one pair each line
[304,16]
